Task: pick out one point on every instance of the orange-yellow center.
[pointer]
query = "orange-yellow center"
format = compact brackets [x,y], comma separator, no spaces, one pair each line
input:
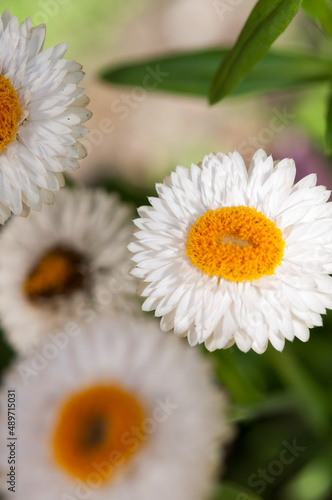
[60,271]
[93,435]
[10,112]
[235,243]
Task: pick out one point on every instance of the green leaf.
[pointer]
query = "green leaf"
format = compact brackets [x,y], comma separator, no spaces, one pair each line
[191,73]
[266,22]
[231,491]
[187,73]
[320,10]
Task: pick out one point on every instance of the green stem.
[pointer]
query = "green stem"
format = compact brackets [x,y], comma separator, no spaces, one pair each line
[230,375]
[312,400]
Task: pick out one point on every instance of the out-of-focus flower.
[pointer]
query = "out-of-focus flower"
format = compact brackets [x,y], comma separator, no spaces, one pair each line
[65,264]
[234,256]
[41,115]
[117,413]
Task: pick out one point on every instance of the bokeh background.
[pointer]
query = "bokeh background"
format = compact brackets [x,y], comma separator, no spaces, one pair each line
[277,399]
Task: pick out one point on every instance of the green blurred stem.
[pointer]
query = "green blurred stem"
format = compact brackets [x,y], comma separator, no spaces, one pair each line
[328,134]
[275,404]
[230,375]
[312,401]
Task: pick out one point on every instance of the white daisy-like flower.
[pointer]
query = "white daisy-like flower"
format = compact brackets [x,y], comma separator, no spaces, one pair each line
[67,263]
[41,116]
[229,255]
[119,412]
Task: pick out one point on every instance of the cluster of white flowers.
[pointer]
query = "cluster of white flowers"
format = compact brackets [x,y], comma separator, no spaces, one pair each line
[110,406]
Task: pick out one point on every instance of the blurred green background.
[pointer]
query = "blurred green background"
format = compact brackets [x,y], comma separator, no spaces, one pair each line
[280,402]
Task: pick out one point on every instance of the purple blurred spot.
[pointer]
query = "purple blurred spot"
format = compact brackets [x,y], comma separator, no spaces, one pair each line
[307,159]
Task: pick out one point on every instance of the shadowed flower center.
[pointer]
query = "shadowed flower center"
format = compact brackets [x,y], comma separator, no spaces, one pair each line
[60,271]
[235,243]
[94,433]
[10,112]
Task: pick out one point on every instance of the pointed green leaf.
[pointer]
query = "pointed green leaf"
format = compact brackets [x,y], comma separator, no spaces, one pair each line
[191,73]
[266,22]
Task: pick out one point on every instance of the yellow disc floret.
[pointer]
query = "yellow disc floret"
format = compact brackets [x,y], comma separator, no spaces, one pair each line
[60,271]
[235,243]
[10,112]
[93,435]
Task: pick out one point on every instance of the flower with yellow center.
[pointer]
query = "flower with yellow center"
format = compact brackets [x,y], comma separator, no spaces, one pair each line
[90,427]
[68,263]
[113,414]
[41,114]
[231,255]
[10,112]
[235,243]
[60,271]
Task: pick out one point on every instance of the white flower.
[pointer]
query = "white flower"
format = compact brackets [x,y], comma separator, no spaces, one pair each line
[229,255]
[119,412]
[41,115]
[65,264]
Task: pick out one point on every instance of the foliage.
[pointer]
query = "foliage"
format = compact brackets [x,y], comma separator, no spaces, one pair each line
[247,67]
[266,22]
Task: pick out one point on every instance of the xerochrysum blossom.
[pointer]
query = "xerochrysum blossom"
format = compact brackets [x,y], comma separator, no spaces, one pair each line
[229,255]
[68,263]
[41,114]
[116,413]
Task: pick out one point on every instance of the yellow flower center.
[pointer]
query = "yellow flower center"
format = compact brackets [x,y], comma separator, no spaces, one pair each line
[235,243]
[94,432]
[60,271]
[10,112]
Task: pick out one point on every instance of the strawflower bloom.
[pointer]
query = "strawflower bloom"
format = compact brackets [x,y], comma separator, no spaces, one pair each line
[121,413]
[41,114]
[231,255]
[68,263]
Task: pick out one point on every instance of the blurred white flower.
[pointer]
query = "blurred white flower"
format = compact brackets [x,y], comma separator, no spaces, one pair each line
[230,256]
[67,263]
[123,413]
[41,115]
